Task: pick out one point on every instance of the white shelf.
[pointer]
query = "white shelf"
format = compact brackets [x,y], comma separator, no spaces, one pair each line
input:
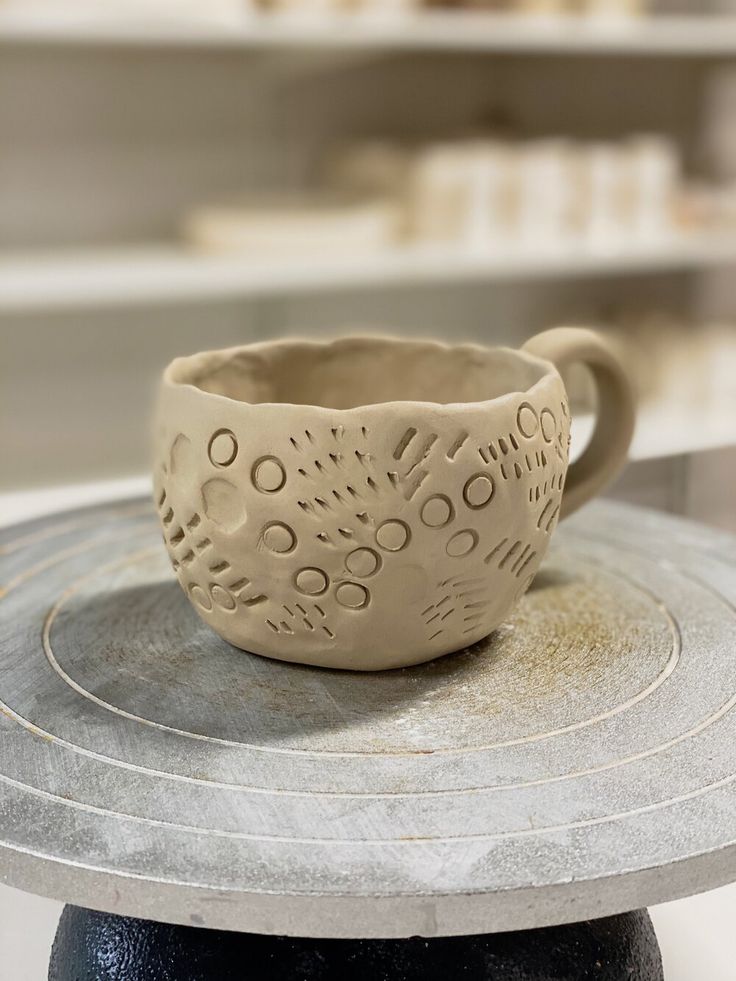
[667,429]
[140,275]
[695,35]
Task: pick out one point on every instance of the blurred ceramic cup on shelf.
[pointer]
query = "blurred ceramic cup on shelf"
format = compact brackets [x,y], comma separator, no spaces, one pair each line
[306,9]
[462,193]
[376,168]
[698,206]
[549,192]
[544,8]
[369,502]
[603,190]
[615,8]
[382,9]
[294,225]
[653,183]
[480,6]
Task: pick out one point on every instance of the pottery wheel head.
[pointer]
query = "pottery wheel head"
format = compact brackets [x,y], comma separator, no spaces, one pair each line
[577,762]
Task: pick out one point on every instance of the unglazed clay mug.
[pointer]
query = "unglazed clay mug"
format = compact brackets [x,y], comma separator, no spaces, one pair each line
[371,503]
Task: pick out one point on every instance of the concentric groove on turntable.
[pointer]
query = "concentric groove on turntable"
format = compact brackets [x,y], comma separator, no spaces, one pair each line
[668,669]
[543,812]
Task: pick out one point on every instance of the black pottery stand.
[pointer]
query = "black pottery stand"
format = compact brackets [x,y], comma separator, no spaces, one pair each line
[93,946]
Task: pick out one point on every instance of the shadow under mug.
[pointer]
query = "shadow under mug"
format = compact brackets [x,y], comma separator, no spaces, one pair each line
[370,503]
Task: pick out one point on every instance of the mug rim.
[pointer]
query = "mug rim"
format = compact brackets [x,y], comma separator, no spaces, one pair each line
[202,360]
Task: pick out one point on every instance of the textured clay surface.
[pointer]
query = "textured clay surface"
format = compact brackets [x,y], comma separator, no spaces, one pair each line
[355,530]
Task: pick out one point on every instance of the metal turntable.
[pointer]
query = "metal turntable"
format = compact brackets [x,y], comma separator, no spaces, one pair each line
[579,763]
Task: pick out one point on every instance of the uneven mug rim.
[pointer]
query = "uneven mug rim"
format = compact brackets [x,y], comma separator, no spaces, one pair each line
[178,374]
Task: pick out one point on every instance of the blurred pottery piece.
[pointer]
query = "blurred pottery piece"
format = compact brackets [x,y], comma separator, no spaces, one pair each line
[301,225]
[374,169]
[370,503]
[697,206]
[484,6]
[654,181]
[549,191]
[462,192]
[302,8]
[381,9]
[544,8]
[604,180]
[615,8]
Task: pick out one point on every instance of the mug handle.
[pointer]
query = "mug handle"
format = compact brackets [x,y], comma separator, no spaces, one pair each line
[614,427]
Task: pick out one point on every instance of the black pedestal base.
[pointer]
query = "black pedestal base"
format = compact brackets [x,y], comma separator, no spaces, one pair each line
[93,946]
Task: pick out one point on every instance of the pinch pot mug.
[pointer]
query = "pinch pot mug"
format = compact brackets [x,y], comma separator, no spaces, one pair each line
[370,503]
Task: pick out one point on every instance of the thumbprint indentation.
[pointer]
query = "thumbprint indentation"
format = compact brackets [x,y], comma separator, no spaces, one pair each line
[223,504]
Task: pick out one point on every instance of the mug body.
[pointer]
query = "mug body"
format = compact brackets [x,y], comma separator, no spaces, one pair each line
[312,515]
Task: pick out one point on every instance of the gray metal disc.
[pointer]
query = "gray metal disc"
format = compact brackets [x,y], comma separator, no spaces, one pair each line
[578,763]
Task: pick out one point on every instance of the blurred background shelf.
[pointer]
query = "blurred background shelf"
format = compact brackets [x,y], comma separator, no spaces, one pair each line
[117,126]
[135,275]
[677,35]
[670,429]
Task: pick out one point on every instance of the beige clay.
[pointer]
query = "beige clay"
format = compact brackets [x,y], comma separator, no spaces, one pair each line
[371,503]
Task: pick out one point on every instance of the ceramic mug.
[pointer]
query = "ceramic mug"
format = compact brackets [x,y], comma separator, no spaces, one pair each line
[371,503]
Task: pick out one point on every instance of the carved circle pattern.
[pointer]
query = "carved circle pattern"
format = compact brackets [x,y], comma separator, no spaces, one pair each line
[354,503]
[437,511]
[549,425]
[222,448]
[363,562]
[311,581]
[393,535]
[527,420]
[352,595]
[268,475]
[462,543]
[478,491]
[199,596]
[279,538]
